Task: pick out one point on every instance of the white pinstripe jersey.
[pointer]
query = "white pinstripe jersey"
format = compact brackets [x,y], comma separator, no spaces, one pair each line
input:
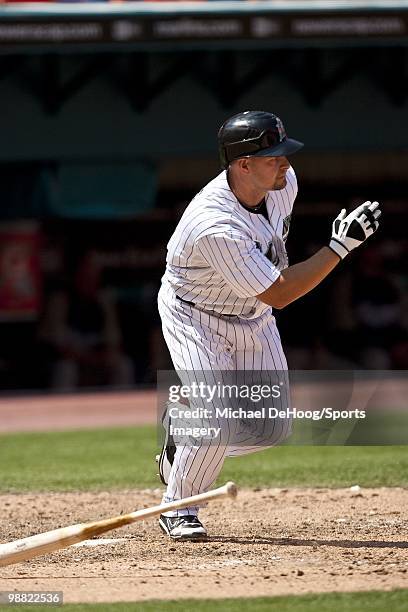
[221,255]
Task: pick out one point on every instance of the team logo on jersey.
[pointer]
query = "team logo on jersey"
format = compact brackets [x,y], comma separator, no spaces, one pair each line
[286,226]
[272,255]
[281,129]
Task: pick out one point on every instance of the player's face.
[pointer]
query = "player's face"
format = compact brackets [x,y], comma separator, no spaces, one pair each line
[268,173]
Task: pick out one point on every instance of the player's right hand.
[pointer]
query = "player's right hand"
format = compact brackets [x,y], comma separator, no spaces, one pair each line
[351,230]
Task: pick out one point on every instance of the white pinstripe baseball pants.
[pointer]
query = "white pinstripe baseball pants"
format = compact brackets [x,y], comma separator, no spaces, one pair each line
[199,341]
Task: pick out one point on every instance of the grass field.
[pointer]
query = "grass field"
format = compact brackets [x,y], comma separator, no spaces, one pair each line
[374,601]
[124,458]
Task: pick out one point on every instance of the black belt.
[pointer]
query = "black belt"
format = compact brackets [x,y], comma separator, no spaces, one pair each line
[193,305]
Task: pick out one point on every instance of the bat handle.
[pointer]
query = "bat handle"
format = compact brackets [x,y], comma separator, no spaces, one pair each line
[227,490]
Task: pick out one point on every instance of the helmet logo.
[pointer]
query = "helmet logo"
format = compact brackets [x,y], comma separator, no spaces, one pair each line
[281,129]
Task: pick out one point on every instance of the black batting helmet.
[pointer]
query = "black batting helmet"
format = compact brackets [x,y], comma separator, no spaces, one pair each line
[254,133]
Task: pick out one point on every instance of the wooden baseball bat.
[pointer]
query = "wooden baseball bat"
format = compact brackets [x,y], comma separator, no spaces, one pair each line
[42,543]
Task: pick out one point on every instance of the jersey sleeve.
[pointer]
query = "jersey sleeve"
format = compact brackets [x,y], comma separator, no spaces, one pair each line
[239,261]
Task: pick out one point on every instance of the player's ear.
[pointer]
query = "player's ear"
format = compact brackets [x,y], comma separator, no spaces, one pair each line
[243,164]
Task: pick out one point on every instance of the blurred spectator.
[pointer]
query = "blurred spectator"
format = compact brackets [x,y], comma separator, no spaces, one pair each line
[377,305]
[81,328]
[358,320]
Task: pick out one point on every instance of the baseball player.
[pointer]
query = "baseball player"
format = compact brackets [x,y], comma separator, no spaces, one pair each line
[227,269]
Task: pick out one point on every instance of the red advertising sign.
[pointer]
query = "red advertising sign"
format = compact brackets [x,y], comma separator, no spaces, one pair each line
[20,271]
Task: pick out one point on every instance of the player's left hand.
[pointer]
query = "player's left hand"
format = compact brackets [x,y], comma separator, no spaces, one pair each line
[351,230]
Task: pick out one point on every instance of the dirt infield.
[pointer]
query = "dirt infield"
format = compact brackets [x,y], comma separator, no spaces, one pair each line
[269,542]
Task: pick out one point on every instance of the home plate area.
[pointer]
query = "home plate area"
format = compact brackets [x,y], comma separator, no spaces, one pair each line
[269,542]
